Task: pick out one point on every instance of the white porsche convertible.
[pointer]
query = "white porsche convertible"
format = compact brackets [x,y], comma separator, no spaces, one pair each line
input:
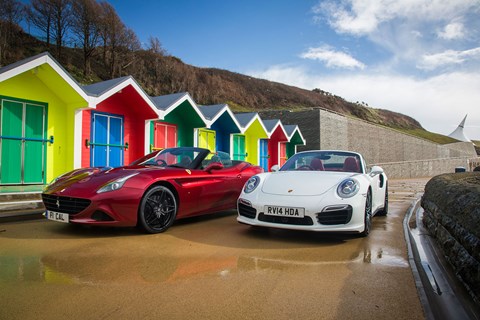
[317,191]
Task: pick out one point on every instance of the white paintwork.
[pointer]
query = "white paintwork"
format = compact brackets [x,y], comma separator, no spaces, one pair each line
[314,191]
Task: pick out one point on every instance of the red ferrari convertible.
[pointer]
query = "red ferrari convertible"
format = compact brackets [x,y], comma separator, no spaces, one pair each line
[151,192]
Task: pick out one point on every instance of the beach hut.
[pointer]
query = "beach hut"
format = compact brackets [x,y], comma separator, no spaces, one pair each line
[248,145]
[39,137]
[276,144]
[116,129]
[177,127]
[221,125]
[295,138]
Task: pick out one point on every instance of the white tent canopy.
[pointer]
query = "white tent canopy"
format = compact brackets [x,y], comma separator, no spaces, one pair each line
[458,133]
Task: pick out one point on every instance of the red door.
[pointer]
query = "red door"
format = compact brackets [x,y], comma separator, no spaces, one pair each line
[165,136]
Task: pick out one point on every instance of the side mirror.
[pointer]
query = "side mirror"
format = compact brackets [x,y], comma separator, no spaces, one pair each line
[376,170]
[214,166]
[275,168]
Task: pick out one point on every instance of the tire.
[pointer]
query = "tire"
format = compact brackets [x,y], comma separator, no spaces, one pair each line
[384,210]
[158,210]
[367,220]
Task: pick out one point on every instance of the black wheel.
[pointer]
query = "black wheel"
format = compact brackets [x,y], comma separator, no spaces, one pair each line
[384,210]
[158,210]
[367,222]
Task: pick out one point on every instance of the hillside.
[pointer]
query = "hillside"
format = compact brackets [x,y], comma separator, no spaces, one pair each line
[245,93]
[159,73]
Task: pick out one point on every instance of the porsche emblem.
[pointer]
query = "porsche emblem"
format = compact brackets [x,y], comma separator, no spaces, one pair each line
[290,191]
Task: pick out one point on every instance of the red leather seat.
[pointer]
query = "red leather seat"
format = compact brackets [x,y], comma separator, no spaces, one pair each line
[351,165]
[317,164]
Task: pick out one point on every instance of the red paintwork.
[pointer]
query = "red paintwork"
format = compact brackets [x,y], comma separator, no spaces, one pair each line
[274,145]
[135,111]
[86,124]
[198,191]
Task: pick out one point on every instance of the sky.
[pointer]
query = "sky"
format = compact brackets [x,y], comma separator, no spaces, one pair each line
[417,57]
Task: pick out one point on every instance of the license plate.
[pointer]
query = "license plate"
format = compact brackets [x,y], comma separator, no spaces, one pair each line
[57,216]
[291,212]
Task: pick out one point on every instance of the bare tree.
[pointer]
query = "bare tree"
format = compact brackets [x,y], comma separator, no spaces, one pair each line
[61,18]
[11,12]
[111,31]
[155,46]
[86,29]
[129,60]
[40,14]
[154,56]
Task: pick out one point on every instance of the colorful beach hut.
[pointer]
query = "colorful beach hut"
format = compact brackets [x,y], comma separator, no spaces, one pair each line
[295,138]
[181,116]
[115,130]
[39,102]
[248,145]
[221,124]
[276,144]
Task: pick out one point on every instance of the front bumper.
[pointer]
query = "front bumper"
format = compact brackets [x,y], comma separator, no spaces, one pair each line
[115,208]
[324,214]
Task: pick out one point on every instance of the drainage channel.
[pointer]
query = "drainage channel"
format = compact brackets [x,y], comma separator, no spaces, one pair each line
[441,293]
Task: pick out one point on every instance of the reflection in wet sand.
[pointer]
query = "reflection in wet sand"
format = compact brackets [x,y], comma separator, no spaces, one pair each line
[68,269]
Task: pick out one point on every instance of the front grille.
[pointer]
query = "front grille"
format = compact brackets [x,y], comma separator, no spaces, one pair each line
[64,204]
[335,215]
[247,211]
[306,221]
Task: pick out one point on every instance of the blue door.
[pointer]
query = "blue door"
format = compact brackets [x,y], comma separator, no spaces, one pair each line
[264,154]
[107,140]
[115,152]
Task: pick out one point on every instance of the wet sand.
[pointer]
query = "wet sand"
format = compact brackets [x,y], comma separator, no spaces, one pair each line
[209,268]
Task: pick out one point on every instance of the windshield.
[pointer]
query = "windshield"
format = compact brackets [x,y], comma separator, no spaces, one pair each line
[218,156]
[189,158]
[325,161]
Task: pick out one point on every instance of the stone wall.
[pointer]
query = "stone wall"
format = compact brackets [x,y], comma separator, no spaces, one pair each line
[425,168]
[452,217]
[401,155]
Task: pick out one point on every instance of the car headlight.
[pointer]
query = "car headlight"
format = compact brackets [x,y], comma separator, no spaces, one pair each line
[251,184]
[348,188]
[115,184]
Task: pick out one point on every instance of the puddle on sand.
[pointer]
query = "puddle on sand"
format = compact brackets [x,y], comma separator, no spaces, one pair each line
[76,270]
[81,269]
[384,257]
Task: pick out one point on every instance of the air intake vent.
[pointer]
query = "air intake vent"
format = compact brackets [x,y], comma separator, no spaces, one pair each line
[64,204]
[335,215]
[247,211]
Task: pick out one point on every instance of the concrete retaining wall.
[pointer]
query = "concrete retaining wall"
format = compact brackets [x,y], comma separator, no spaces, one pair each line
[401,155]
[452,217]
[425,168]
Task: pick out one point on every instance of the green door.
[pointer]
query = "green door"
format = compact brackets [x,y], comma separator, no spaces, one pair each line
[239,147]
[22,140]
[34,145]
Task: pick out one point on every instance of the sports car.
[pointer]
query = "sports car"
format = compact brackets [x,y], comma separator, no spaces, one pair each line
[151,192]
[317,191]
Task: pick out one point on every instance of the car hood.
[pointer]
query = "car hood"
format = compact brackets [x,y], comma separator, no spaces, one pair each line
[302,183]
[93,178]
